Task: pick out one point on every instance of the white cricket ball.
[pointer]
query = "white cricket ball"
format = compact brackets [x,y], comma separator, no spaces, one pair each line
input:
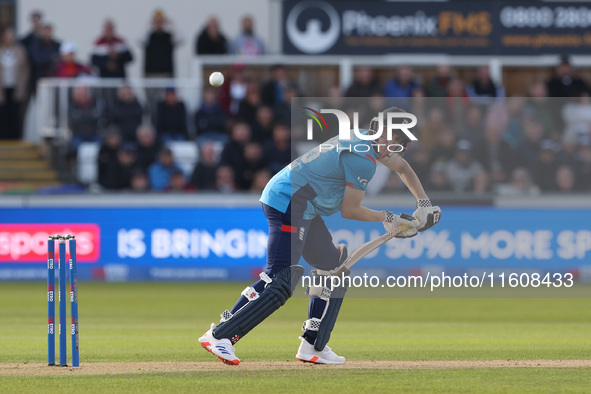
[216,79]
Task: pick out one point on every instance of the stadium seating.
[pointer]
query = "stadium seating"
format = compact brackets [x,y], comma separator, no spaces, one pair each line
[185,154]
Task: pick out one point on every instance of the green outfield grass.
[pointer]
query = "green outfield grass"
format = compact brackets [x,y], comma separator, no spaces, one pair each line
[142,322]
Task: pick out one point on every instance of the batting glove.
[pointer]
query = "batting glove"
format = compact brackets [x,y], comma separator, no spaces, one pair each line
[427,215]
[393,221]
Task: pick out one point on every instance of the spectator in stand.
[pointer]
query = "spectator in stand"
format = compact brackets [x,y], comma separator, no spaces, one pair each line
[457,103]
[234,90]
[159,44]
[472,125]
[364,84]
[178,183]
[110,53]
[211,41]
[495,154]
[27,42]
[446,146]
[171,118]
[400,88]
[430,129]
[109,170]
[437,179]
[564,84]
[14,79]
[254,161]
[83,117]
[262,129]
[463,172]
[139,181]
[438,86]
[565,179]
[248,106]
[161,171]
[420,159]
[261,178]
[530,145]
[418,105]
[544,110]
[36,28]
[483,89]
[272,92]
[514,130]
[224,180]
[545,169]
[520,184]
[210,117]
[45,55]
[247,43]
[335,97]
[147,147]
[577,119]
[583,164]
[282,111]
[278,150]
[127,113]
[204,173]
[233,153]
[68,67]
[128,164]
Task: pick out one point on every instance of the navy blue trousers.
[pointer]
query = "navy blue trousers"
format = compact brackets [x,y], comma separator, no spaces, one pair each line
[291,237]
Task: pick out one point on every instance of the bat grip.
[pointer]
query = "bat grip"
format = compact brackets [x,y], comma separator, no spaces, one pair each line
[400,229]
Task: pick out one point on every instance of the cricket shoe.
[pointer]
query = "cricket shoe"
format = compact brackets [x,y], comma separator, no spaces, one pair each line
[308,354]
[221,348]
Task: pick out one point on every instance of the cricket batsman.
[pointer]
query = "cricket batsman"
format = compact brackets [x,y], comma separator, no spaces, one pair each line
[328,179]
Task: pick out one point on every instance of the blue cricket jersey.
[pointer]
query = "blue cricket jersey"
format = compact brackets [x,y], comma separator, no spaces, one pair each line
[328,171]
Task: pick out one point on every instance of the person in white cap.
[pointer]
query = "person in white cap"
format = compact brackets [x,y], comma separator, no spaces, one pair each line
[68,67]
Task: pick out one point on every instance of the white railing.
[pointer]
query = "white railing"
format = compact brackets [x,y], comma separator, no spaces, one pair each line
[53,99]
[346,64]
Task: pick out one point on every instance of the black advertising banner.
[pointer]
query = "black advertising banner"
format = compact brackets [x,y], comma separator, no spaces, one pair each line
[543,28]
[457,28]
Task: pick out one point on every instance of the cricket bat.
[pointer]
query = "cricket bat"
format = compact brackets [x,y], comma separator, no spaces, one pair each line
[366,249]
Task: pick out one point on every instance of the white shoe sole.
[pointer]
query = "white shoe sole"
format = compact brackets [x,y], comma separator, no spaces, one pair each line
[306,358]
[203,341]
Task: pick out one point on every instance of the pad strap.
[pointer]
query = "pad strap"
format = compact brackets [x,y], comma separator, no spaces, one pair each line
[225,316]
[312,324]
[265,278]
[318,291]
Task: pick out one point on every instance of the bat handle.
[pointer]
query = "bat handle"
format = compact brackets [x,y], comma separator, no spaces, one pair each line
[400,229]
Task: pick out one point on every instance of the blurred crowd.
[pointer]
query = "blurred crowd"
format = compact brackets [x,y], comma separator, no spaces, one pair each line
[471,137]
[474,139]
[38,54]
